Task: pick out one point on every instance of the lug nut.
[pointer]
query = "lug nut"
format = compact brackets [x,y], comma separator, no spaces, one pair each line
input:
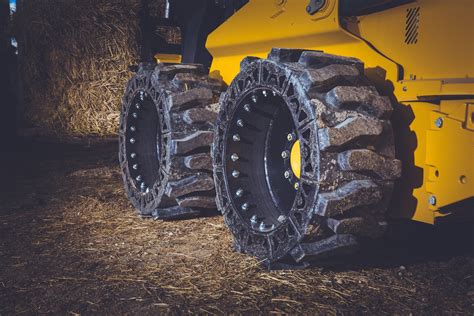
[297,186]
[287,174]
[239,193]
[142,95]
[254,99]
[235,173]
[247,107]
[137,106]
[274,93]
[289,137]
[132,128]
[284,154]
[135,166]
[245,206]
[253,219]
[282,218]
[138,178]
[234,157]
[142,186]
[240,123]
[132,140]
[236,138]
[135,115]
[265,94]
[262,226]
[133,155]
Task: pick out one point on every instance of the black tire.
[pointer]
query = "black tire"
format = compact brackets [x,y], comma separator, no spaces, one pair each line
[166,129]
[348,164]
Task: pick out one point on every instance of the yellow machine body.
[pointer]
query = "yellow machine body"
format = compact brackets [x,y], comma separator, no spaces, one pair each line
[430,74]
[168,58]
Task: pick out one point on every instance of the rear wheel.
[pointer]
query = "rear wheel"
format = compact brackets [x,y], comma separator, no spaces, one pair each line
[303,156]
[166,129]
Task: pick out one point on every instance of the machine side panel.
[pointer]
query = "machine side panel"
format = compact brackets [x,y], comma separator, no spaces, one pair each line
[410,52]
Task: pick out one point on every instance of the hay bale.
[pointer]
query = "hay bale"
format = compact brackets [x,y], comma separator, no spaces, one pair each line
[74,58]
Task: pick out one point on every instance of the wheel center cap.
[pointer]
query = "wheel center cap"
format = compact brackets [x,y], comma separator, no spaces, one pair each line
[295,159]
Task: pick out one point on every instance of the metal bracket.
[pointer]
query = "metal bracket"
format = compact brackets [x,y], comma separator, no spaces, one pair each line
[314,6]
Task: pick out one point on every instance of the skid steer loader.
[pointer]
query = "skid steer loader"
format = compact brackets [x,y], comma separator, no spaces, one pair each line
[308,124]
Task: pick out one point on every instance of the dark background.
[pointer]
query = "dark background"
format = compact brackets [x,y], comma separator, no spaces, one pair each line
[8,80]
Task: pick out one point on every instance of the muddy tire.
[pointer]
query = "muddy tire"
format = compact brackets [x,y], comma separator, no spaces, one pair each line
[348,166]
[166,129]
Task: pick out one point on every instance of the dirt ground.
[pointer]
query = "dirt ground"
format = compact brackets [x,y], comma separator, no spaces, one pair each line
[70,243]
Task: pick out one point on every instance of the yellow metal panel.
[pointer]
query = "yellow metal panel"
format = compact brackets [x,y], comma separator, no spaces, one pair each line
[469,121]
[412,90]
[450,157]
[168,58]
[444,50]
[455,109]
[441,62]
[260,25]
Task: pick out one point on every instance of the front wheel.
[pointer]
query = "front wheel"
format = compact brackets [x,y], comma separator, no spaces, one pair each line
[304,159]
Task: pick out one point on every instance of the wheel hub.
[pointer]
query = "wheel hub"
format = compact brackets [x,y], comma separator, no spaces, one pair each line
[295,159]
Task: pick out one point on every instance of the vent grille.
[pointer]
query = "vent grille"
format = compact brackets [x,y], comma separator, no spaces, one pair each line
[412,25]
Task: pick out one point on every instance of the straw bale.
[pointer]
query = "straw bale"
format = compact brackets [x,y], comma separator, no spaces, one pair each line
[74,60]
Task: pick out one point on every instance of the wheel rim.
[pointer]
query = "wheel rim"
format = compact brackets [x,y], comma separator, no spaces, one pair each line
[143,141]
[258,167]
[284,223]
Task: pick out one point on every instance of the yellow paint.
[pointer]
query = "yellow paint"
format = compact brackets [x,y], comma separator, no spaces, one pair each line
[295,159]
[168,58]
[441,63]
[469,119]
[260,25]
[450,156]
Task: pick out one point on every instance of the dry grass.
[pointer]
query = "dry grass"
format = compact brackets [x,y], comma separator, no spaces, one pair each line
[74,58]
[71,243]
